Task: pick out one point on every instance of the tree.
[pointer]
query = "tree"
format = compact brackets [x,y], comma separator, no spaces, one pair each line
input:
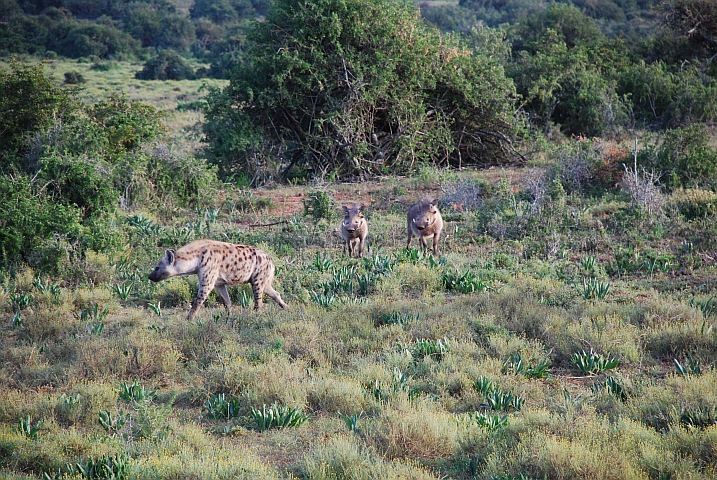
[29,102]
[695,19]
[357,87]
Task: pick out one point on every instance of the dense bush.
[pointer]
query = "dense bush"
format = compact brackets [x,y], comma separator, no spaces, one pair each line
[166,65]
[29,102]
[345,85]
[684,157]
[68,166]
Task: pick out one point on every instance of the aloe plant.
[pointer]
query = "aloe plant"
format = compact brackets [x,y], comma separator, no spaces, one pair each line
[278,417]
[593,363]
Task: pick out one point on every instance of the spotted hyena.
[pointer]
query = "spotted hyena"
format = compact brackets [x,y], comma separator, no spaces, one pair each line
[425,220]
[354,229]
[218,264]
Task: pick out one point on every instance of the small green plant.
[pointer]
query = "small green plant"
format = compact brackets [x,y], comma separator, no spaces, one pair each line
[539,368]
[699,417]
[365,283]
[503,401]
[397,318]
[124,290]
[325,300]
[708,307]
[592,288]
[218,406]
[278,417]
[593,363]
[113,423]
[16,319]
[351,421]
[467,282]
[96,328]
[91,312]
[318,206]
[380,264]
[144,225]
[114,467]
[156,308]
[244,299]
[321,263]
[435,349]
[135,392]
[613,387]
[588,263]
[692,366]
[46,287]
[487,422]
[27,429]
[412,255]
[20,301]
[484,386]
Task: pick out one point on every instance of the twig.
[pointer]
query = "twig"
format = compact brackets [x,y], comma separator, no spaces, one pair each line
[268,224]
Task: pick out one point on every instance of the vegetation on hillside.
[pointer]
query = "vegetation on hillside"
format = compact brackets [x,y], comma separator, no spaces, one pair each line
[567,329]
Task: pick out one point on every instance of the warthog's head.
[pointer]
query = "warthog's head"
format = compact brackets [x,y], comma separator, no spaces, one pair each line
[165,268]
[353,218]
[426,214]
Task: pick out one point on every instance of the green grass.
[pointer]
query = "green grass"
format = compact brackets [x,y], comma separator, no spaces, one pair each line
[456,367]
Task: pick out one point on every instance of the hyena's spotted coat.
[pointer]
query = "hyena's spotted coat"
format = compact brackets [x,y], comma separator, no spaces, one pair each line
[218,264]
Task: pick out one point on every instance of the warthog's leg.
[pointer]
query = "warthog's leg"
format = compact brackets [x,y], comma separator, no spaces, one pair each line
[435,243]
[360,247]
[424,244]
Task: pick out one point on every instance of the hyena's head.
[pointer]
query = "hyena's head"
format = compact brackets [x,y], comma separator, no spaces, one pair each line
[426,214]
[165,268]
[353,218]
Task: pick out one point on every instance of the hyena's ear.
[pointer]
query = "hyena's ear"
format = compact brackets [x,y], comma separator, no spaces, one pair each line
[170,256]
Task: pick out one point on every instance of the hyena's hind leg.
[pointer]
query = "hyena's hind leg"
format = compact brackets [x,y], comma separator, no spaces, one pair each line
[224,295]
[275,296]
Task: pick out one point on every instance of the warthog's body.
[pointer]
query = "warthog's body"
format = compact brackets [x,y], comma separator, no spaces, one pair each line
[218,264]
[354,229]
[425,220]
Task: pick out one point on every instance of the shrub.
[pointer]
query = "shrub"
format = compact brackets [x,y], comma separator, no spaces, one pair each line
[166,65]
[74,78]
[29,220]
[695,204]
[460,101]
[684,157]
[29,103]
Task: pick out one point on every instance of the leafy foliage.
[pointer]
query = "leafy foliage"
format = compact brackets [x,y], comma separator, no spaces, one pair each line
[166,65]
[343,85]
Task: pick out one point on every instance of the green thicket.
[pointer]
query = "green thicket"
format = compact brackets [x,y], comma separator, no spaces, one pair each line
[67,167]
[357,88]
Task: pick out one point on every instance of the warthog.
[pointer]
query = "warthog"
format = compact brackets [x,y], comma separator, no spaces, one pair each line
[354,229]
[218,264]
[425,220]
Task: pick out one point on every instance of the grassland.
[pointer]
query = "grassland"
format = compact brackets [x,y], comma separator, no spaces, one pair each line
[571,337]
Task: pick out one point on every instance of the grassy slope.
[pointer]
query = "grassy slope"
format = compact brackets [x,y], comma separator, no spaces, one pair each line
[63,362]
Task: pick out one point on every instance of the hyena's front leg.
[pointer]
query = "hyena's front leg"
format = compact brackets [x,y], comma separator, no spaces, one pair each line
[206,285]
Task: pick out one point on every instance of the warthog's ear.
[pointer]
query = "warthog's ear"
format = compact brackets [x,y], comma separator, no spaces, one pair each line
[434,202]
[346,210]
[170,256]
